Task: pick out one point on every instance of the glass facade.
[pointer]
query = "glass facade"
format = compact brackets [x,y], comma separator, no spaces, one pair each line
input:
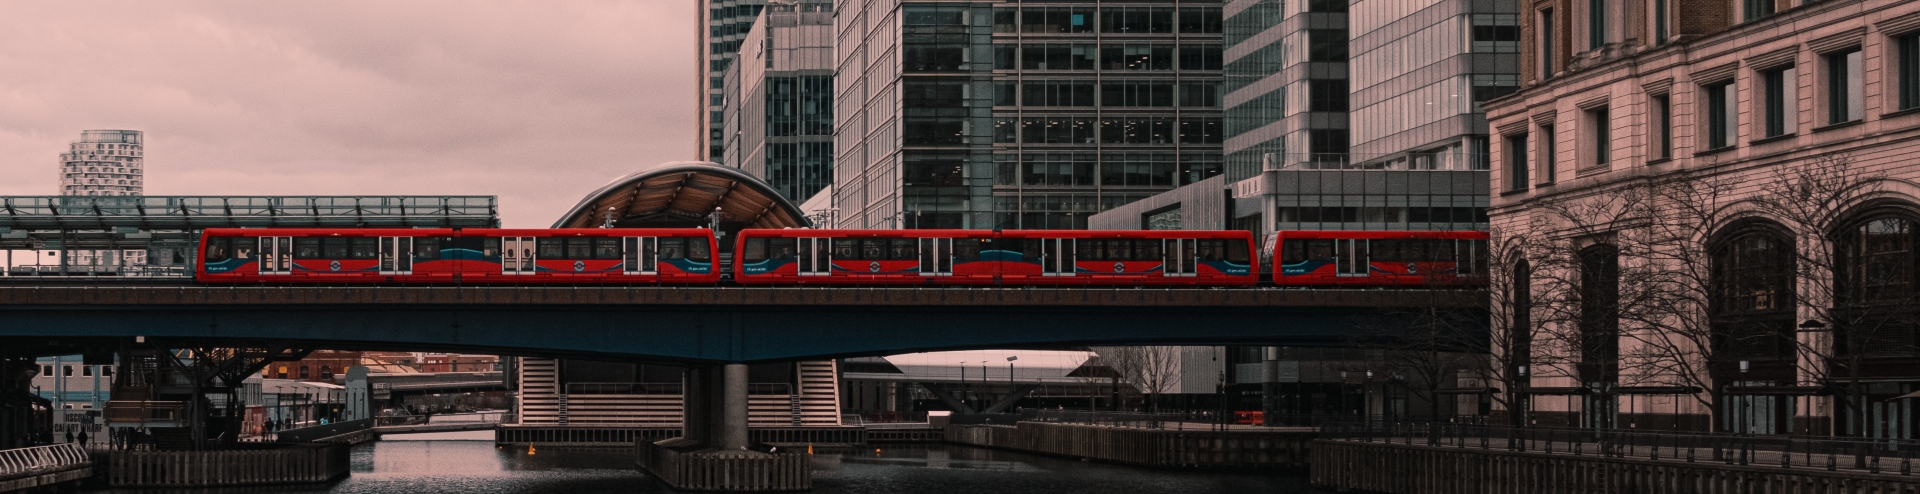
[987,115]
[728,22]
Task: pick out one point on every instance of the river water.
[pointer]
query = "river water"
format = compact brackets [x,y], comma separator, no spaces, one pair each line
[469,463]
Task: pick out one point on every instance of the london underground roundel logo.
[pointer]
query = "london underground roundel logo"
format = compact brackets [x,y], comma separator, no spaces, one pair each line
[579,266]
[335,265]
[873,266]
[1119,267]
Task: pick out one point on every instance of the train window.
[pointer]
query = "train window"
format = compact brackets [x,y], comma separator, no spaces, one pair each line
[579,248]
[903,249]
[697,249]
[673,248]
[550,248]
[967,249]
[872,248]
[846,248]
[1293,251]
[426,248]
[219,249]
[1237,252]
[333,248]
[1318,249]
[1088,249]
[756,250]
[243,247]
[1439,250]
[1146,250]
[781,249]
[306,248]
[606,248]
[490,247]
[1119,250]
[1207,250]
[365,247]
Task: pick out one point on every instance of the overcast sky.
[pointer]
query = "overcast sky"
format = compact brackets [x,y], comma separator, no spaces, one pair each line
[538,103]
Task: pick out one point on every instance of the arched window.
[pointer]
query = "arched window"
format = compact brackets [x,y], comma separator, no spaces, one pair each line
[1752,308]
[1874,280]
[1877,260]
[1600,313]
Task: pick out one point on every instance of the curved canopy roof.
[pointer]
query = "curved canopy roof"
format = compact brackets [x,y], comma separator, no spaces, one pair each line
[683,194]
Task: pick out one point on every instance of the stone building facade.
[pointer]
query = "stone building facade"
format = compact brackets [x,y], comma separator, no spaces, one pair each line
[1707,213]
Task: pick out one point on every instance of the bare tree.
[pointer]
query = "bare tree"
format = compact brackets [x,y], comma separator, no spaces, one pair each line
[1855,312]
[1150,369]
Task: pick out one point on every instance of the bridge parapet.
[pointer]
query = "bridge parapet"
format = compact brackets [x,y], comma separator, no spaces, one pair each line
[40,466]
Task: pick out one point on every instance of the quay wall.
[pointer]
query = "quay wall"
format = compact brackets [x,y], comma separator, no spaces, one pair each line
[1345,466]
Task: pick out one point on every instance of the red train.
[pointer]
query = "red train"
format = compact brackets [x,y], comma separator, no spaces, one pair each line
[472,255]
[848,257]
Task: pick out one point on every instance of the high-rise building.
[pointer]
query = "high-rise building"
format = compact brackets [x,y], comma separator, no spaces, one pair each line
[1361,114]
[103,163]
[779,100]
[999,115]
[723,25]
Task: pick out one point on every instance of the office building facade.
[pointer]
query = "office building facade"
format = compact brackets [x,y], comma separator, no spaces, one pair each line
[1000,115]
[105,163]
[779,100]
[724,24]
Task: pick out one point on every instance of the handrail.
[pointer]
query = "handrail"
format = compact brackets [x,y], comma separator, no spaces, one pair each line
[38,458]
[1782,451]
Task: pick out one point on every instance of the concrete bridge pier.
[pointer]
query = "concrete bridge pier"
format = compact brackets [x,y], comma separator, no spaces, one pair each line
[713,452]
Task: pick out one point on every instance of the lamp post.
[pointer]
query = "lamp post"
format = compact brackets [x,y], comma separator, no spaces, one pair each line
[1010,360]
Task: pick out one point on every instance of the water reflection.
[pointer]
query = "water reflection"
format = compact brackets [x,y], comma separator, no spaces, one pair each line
[433,465]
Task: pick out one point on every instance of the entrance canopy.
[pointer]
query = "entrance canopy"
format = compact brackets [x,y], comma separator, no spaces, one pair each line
[684,194]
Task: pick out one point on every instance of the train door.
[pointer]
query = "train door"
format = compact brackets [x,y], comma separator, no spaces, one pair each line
[1180,254]
[815,257]
[396,255]
[276,255]
[1351,256]
[640,255]
[516,255]
[1056,256]
[936,257]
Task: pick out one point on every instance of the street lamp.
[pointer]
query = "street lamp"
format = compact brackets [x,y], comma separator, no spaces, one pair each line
[1010,360]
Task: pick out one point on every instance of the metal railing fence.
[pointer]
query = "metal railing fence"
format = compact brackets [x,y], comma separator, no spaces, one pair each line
[1783,451]
[40,458]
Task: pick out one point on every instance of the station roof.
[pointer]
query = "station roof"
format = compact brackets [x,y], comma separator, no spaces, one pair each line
[683,194]
[123,222]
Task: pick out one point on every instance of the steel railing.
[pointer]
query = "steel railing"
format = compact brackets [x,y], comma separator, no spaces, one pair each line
[624,388]
[1783,451]
[41,458]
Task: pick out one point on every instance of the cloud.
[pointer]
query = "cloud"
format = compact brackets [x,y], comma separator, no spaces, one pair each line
[535,102]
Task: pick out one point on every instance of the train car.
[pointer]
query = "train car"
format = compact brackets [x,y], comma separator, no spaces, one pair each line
[981,257]
[1360,258]
[473,255]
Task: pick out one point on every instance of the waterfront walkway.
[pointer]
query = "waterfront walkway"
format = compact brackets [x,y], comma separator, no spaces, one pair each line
[38,467]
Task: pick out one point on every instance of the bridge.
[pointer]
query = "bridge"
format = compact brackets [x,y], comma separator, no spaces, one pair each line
[695,324]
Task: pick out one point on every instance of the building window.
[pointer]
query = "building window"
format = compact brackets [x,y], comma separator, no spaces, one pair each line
[1599,314]
[1779,105]
[86,371]
[1546,158]
[66,371]
[1516,162]
[326,372]
[1662,127]
[1520,353]
[1752,10]
[1846,94]
[1490,86]
[1327,95]
[1908,65]
[1601,137]
[46,370]
[1335,6]
[1596,24]
[1659,22]
[303,372]
[1722,119]
[1326,45]
[1879,260]
[1546,44]
[1752,306]
[1496,33]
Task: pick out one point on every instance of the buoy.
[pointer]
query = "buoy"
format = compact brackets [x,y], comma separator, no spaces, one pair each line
[529,449]
[809,448]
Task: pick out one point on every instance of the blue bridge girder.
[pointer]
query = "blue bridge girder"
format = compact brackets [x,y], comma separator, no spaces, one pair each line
[698,324]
